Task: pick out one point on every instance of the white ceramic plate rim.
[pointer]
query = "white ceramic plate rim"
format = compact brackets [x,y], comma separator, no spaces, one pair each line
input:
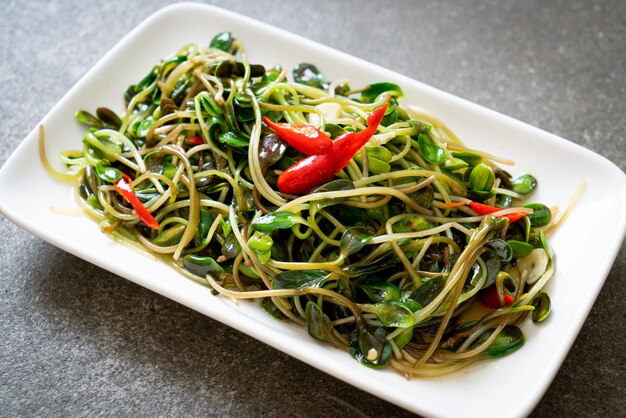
[509,387]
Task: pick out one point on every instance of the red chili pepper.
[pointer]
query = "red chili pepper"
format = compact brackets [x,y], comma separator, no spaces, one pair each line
[490,299]
[483,209]
[316,170]
[346,145]
[196,140]
[305,138]
[124,188]
[307,174]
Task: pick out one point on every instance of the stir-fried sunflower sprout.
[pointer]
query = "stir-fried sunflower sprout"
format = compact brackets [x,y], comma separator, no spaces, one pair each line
[416,252]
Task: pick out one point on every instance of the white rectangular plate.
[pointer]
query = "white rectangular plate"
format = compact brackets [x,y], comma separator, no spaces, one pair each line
[508,387]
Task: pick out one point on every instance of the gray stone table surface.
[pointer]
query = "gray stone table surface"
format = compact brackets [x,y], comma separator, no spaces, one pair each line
[78,340]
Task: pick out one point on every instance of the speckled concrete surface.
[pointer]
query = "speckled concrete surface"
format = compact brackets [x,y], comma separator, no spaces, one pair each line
[77,340]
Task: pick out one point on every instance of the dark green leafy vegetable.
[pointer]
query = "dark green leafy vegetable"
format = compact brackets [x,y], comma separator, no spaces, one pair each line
[391,314]
[520,249]
[353,240]
[222,41]
[106,172]
[206,220]
[502,249]
[261,244]
[318,324]
[481,178]
[508,341]
[373,91]
[541,215]
[201,266]
[427,292]
[369,347]
[541,303]
[299,279]
[431,152]
[88,119]
[524,184]
[470,158]
[308,74]
[380,292]
[276,220]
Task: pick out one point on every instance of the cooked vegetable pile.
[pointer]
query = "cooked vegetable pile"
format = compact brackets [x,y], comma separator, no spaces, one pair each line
[365,221]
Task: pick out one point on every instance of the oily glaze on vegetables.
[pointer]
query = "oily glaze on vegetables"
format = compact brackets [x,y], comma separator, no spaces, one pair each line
[363,220]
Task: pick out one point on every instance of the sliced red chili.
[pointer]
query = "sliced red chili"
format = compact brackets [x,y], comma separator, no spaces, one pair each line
[307,174]
[489,298]
[305,138]
[348,144]
[316,170]
[196,140]
[124,188]
[483,209]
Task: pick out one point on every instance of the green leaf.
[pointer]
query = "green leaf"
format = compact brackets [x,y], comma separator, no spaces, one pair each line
[144,127]
[210,105]
[543,242]
[371,92]
[541,303]
[170,236]
[424,197]
[504,201]
[508,341]
[276,220]
[107,173]
[374,165]
[470,158]
[353,240]
[299,279]
[318,323]
[427,292]
[412,224]
[524,184]
[109,117]
[88,119]
[501,249]
[201,266]
[335,185]
[226,227]
[222,41]
[249,271]
[541,215]
[369,347]
[261,244]
[520,249]
[391,314]
[481,178]
[216,126]
[493,264]
[147,80]
[379,213]
[233,139]
[411,304]
[404,338]
[271,309]
[309,75]
[454,165]
[206,220]
[243,100]
[379,152]
[380,292]
[432,153]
